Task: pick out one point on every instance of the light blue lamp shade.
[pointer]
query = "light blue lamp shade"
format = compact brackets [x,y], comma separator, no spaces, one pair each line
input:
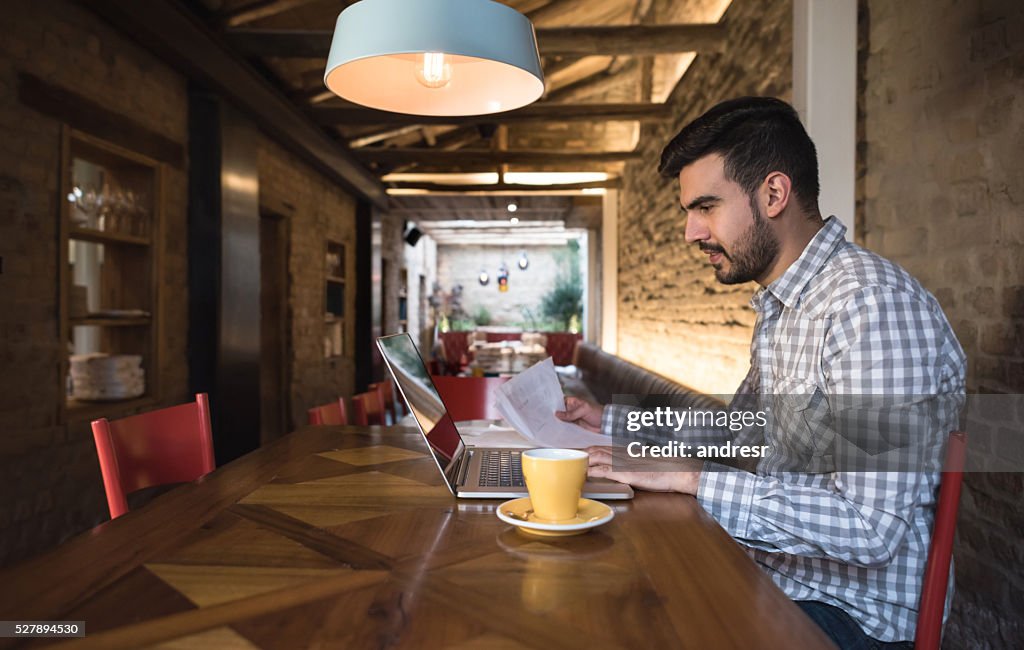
[434,57]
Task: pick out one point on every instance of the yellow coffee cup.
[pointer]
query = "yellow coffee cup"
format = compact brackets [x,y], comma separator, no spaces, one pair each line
[554,479]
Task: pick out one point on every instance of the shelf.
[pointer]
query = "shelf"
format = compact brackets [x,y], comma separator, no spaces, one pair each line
[103,237]
[137,321]
[335,279]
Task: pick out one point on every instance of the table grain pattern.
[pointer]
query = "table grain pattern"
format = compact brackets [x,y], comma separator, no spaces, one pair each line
[345,537]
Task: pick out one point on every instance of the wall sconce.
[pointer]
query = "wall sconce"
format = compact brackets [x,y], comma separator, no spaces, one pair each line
[484,278]
[523,261]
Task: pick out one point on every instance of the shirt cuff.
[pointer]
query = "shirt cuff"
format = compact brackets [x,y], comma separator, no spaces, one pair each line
[613,419]
[727,494]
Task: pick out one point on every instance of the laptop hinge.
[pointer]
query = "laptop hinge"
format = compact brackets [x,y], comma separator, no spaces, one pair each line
[463,467]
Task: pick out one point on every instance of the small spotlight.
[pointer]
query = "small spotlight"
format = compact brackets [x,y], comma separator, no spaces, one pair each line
[514,220]
[523,261]
[484,278]
[512,207]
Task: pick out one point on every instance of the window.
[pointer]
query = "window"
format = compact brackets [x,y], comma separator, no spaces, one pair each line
[110,240]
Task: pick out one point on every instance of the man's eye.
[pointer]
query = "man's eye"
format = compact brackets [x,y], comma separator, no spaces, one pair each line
[704,209]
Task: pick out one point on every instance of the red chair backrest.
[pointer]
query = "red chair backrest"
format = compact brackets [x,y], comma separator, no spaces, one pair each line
[561,346]
[455,346]
[330,413]
[386,396]
[469,398]
[367,409]
[171,445]
[936,576]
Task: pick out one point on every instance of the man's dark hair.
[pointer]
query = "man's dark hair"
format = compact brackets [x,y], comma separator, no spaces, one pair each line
[755,136]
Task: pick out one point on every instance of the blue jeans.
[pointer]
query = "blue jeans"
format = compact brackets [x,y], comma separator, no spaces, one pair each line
[843,630]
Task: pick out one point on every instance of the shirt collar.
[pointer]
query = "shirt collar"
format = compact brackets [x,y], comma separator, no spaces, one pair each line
[788,287]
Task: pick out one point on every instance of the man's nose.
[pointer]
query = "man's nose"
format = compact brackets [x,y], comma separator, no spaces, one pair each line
[696,229]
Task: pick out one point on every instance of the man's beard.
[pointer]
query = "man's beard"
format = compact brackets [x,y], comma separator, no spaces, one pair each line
[752,253]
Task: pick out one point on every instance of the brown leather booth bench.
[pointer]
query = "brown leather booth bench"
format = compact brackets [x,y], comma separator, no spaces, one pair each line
[605,375]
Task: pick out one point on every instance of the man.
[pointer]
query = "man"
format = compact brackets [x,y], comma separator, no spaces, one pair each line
[834,322]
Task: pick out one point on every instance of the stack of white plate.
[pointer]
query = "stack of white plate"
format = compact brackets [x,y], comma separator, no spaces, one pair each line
[103,377]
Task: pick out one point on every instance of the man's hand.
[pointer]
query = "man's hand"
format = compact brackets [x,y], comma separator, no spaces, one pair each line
[682,481]
[580,411]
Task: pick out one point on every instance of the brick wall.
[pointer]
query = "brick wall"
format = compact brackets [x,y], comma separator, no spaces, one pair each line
[52,486]
[316,211]
[674,317]
[943,195]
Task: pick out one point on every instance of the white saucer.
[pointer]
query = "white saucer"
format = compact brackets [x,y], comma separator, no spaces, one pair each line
[519,512]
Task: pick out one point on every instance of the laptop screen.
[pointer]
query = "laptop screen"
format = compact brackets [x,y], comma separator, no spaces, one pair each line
[421,396]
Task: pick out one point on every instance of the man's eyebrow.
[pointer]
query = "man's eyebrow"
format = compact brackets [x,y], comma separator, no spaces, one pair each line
[704,198]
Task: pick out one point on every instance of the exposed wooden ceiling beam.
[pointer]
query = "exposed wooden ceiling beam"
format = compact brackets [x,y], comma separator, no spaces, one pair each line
[502,187]
[489,157]
[262,9]
[632,39]
[532,113]
[382,135]
[168,29]
[552,41]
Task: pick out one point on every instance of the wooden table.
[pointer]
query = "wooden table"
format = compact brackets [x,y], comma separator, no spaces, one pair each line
[344,537]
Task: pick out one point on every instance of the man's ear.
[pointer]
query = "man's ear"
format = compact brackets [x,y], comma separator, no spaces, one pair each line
[776,192]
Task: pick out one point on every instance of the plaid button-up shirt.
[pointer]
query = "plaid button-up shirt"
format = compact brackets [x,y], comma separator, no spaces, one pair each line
[840,322]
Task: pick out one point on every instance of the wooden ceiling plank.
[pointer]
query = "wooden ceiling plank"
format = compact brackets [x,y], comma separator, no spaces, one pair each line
[552,41]
[396,156]
[533,113]
[594,85]
[380,136]
[261,9]
[632,39]
[503,187]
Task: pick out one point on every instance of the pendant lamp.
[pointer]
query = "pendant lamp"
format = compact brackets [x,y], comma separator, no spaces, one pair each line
[434,57]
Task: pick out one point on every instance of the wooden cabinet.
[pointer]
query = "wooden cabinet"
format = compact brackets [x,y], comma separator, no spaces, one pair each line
[111,200]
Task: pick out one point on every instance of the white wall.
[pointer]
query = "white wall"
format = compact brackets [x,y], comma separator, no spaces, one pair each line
[825,95]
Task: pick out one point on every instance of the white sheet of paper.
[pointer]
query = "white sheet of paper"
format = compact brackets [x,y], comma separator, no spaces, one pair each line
[529,401]
[492,435]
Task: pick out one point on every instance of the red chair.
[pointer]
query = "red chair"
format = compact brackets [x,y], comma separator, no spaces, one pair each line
[367,409]
[561,346]
[330,413]
[936,575]
[455,346]
[469,398]
[171,445]
[386,395]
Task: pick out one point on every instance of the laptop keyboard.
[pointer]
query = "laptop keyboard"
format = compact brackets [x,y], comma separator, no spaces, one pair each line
[501,468]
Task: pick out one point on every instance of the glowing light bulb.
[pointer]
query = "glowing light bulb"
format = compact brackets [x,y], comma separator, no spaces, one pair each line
[434,71]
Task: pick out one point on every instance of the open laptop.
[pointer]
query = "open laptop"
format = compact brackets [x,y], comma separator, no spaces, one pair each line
[470,472]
